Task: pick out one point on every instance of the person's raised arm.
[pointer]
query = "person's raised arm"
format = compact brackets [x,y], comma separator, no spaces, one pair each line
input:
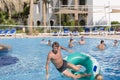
[47,66]
[66,49]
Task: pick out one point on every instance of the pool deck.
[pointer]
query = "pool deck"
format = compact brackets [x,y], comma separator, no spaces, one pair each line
[22,35]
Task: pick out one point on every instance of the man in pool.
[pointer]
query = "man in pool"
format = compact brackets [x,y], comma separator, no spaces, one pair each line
[101,46]
[98,77]
[82,40]
[61,65]
[115,42]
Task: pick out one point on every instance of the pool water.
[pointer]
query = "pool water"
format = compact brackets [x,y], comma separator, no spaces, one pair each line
[27,59]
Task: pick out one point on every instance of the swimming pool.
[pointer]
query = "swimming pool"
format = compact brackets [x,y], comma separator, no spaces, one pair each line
[30,58]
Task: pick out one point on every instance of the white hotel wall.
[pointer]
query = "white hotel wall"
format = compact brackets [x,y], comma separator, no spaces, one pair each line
[114,4]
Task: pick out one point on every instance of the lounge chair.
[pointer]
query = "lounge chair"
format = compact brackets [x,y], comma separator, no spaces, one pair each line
[55,34]
[12,32]
[1,31]
[87,31]
[75,33]
[65,32]
[5,32]
[111,31]
[95,31]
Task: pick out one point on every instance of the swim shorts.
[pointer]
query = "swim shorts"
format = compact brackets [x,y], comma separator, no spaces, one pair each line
[63,67]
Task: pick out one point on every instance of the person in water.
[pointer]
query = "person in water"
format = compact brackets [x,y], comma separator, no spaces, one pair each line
[82,40]
[4,47]
[115,42]
[43,41]
[70,45]
[61,65]
[49,43]
[101,46]
[98,77]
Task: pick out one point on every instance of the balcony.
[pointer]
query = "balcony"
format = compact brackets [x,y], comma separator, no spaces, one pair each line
[68,9]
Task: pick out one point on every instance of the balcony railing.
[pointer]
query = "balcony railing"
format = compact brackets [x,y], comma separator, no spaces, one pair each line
[79,8]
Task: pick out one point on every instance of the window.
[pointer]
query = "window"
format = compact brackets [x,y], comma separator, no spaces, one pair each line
[37,9]
[38,23]
[64,2]
[82,2]
[82,23]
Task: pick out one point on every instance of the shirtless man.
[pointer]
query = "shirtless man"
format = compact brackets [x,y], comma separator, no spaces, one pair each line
[98,77]
[61,65]
[101,46]
[82,41]
[115,42]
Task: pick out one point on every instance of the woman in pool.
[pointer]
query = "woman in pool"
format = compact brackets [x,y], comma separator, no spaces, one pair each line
[61,65]
[71,43]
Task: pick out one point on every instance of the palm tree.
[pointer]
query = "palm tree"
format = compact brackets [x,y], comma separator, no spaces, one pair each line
[44,14]
[76,13]
[31,17]
[11,6]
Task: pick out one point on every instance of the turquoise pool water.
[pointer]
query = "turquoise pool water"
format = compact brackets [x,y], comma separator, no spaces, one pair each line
[26,60]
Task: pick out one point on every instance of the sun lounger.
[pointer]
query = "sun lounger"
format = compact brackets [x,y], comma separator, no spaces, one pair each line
[12,32]
[55,34]
[1,31]
[75,33]
[65,32]
[5,32]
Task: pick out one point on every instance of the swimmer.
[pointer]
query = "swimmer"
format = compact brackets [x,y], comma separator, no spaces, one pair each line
[98,77]
[82,41]
[43,41]
[115,43]
[61,65]
[101,46]
[4,47]
[71,43]
[49,43]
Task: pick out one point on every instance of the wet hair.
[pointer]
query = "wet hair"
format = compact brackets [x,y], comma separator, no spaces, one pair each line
[43,39]
[102,41]
[115,41]
[96,77]
[49,40]
[71,40]
[82,36]
[56,44]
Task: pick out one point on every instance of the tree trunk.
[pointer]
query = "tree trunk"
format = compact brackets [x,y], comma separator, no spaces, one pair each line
[44,14]
[31,18]
[9,14]
[76,13]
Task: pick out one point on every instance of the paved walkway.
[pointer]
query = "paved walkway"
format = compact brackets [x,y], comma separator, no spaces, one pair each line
[22,35]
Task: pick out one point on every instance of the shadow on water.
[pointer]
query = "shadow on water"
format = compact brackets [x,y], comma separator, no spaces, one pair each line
[7,60]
